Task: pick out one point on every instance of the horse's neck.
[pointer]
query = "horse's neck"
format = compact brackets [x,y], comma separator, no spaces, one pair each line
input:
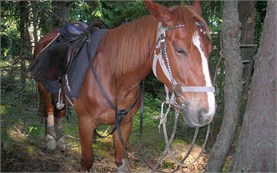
[128,48]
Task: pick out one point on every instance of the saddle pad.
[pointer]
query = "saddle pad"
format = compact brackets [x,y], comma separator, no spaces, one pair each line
[76,73]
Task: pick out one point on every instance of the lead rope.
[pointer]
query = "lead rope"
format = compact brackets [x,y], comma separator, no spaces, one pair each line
[163,120]
[168,144]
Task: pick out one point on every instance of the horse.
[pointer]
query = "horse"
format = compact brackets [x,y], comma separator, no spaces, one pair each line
[53,116]
[172,42]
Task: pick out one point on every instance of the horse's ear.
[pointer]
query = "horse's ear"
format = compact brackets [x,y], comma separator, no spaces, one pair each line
[196,4]
[159,12]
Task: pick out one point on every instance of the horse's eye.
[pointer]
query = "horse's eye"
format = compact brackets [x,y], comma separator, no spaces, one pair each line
[181,52]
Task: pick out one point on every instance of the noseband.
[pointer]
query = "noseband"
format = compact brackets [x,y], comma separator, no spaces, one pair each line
[161,56]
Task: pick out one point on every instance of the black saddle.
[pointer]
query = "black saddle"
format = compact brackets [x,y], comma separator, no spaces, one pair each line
[54,61]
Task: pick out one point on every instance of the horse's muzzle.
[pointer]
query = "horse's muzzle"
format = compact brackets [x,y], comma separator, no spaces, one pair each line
[196,117]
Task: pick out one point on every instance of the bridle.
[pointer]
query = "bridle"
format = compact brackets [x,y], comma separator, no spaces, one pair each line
[161,57]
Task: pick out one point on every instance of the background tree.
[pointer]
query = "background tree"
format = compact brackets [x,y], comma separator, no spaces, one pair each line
[23,13]
[60,13]
[256,149]
[232,88]
[247,15]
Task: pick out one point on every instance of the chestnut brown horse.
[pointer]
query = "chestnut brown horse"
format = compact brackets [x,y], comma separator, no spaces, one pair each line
[172,42]
[53,116]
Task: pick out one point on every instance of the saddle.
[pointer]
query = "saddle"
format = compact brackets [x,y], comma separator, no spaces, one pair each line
[53,62]
[65,58]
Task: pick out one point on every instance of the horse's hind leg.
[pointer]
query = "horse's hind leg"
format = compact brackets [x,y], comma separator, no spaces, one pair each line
[45,98]
[59,114]
[59,134]
[120,160]
[50,132]
[53,123]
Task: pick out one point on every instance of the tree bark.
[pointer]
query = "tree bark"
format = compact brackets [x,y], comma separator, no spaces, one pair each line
[35,35]
[256,149]
[60,13]
[24,43]
[232,88]
[247,14]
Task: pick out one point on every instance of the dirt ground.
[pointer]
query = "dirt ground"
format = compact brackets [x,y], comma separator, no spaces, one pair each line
[25,158]
[29,154]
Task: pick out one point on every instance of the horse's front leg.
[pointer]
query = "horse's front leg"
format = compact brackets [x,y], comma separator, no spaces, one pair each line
[120,160]
[86,130]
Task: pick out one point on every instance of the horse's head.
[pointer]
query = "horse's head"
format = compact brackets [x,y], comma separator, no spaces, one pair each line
[181,59]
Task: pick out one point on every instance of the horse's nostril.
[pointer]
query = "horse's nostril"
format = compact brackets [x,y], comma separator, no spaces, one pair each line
[208,120]
[200,117]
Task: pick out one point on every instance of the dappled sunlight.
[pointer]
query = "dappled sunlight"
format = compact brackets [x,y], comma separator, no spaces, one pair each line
[17,134]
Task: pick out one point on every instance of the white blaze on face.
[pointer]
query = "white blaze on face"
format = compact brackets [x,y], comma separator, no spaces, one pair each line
[205,69]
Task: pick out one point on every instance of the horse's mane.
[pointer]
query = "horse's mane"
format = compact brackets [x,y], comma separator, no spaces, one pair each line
[133,42]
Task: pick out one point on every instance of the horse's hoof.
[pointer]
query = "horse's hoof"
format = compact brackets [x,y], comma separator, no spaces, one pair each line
[61,144]
[51,142]
[123,167]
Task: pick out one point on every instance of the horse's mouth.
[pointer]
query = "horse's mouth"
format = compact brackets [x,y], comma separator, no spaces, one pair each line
[194,118]
[189,122]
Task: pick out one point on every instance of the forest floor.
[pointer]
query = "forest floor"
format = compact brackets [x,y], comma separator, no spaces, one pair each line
[27,153]
[23,146]
[23,158]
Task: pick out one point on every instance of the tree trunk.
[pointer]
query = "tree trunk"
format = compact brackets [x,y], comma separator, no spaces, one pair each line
[232,88]
[60,13]
[24,43]
[256,149]
[35,34]
[247,14]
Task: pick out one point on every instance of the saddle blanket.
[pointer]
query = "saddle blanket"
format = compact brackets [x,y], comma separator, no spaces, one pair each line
[77,70]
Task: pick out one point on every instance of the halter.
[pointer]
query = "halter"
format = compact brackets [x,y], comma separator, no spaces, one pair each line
[162,58]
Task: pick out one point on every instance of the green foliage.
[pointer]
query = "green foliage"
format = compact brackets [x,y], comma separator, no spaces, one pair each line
[9,33]
[116,13]
[84,11]
[212,12]
[259,20]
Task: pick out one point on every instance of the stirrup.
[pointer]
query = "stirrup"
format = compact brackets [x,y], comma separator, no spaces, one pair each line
[60,105]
